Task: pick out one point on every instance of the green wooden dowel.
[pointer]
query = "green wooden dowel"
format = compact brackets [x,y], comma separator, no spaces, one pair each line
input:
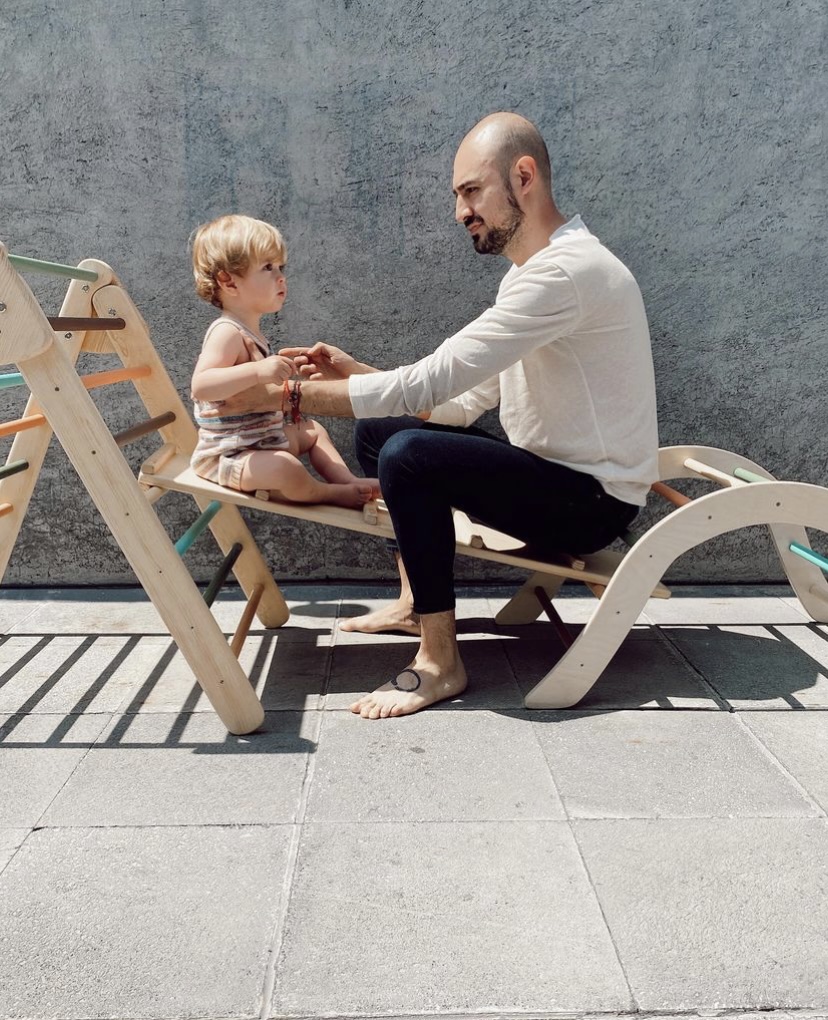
[196,528]
[749,476]
[52,268]
[809,555]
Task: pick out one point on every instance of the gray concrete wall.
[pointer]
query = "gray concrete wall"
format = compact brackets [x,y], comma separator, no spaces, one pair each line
[691,137]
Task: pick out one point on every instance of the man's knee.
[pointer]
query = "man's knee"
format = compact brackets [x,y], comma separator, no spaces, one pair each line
[372,435]
[406,451]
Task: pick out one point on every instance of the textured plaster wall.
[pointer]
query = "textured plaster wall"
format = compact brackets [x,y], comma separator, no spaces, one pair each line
[691,137]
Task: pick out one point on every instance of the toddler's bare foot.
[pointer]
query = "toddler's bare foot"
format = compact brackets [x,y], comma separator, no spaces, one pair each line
[352,494]
[398,616]
[414,688]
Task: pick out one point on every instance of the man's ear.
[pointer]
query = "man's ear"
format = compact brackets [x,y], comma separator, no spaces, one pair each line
[526,171]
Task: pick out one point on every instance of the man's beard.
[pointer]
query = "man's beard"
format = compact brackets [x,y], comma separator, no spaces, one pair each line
[497,239]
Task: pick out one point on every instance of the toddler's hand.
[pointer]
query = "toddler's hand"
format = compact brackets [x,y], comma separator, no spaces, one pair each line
[322,361]
[275,369]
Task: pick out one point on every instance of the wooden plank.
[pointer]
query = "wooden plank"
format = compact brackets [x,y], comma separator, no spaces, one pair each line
[32,444]
[24,331]
[133,523]
[177,474]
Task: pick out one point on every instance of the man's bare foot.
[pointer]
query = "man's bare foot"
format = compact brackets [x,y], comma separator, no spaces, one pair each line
[398,616]
[414,688]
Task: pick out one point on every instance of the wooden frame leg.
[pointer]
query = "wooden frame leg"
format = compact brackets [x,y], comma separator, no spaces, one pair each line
[524,606]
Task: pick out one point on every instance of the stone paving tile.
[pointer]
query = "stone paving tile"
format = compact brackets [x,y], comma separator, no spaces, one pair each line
[65,673]
[456,917]
[800,741]
[791,600]
[311,613]
[151,923]
[160,680]
[439,766]
[10,842]
[15,608]
[626,765]
[574,609]
[359,668]
[93,611]
[721,914]
[646,672]
[129,611]
[746,609]
[295,672]
[38,753]
[758,667]
[187,770]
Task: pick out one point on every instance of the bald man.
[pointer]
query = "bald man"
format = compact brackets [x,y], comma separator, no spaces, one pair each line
[565,353]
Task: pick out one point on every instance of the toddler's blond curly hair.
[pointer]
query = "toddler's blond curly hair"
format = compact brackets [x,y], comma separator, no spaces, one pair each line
[232,243]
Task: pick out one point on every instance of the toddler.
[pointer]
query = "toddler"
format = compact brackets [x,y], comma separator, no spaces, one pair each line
[239,266]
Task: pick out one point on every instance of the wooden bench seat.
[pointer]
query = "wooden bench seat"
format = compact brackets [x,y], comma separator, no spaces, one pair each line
[168,469]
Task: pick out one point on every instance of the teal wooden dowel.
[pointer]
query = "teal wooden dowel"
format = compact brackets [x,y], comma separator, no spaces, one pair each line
[196,528]
[12,379]
[220,577]
[52,268]
[749,476]
[15,467]
[809,555]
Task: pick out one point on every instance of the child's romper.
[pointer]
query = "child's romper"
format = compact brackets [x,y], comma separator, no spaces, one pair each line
[224,442]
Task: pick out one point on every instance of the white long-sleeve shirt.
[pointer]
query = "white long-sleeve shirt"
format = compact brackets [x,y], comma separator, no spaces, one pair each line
[565,351]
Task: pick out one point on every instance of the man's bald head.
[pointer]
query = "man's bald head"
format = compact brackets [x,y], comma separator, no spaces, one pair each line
[504,138]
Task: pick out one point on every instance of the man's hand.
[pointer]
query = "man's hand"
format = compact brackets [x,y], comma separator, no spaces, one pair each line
[324,361]
[275,369]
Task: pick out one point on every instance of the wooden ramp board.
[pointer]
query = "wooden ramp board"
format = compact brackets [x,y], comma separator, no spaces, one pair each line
[174,473]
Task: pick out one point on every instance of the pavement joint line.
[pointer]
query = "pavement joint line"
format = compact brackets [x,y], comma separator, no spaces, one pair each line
[723,703]
[766,751]
[289,877]
[36,607]
[574,837]
[713,1014]
[78,763]
[600,906]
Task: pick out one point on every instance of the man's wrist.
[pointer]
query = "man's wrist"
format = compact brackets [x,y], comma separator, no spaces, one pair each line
[327,397]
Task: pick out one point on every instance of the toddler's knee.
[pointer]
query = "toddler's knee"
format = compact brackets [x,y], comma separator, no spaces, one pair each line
[315,429]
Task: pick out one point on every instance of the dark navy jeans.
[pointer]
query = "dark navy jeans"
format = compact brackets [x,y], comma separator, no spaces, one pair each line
[424,470]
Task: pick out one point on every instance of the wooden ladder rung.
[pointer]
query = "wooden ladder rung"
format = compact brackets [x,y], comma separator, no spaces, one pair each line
[32,421]
[143,428]
[713,474]
[670,494]
[243,628]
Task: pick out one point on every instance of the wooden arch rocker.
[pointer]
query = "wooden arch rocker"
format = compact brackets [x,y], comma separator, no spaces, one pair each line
[98,316]
[749,495]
